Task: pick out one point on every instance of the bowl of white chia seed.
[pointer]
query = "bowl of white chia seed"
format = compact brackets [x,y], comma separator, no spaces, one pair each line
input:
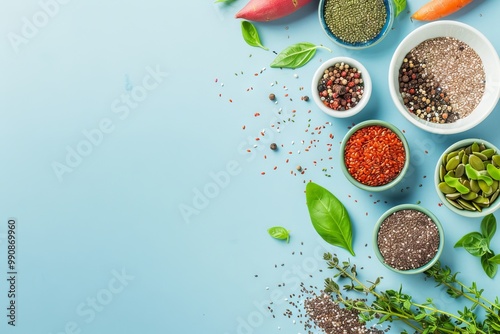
[444,77]
[356,24]
[408,239]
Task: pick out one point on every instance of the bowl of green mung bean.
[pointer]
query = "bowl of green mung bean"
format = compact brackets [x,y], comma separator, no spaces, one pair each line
[467,177]
[356,24]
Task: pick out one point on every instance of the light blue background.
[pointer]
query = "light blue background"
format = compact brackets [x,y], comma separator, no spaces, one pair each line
[112,229]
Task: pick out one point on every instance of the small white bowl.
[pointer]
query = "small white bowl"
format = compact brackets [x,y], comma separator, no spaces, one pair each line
[367,89]
[477,41]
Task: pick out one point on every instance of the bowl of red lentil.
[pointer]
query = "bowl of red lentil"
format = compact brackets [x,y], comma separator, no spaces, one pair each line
[374,155]
[444,77]
[467,178]
[356,24]
[408,239]
[341,87]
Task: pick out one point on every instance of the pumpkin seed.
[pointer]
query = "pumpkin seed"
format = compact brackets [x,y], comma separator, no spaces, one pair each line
[486,189]
[475,162]
[478,208]
[460,170]
[442,173]
[453,196]
[446,189]
[494,196]
[474,186]
[469,196]
[453,163]
[451,155]
[480,156]
[496,160]
[488,152]
[493,171]
[455,204]
[481,200]
[465,159]
[474,147]
[466,205]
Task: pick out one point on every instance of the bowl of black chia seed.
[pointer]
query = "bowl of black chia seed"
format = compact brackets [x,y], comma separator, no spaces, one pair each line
[444,77]
[408,239]
[356,24]
[341,87]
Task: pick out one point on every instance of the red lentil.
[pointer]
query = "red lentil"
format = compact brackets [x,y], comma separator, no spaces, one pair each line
[374,155]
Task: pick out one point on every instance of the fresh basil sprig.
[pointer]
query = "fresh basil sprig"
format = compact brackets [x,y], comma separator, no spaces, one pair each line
[478,244]
[329,217]
[296,55]
[280,233]
[400,6]
[250,35]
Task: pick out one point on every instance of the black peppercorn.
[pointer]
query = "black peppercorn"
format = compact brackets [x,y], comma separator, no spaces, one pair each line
[273,146]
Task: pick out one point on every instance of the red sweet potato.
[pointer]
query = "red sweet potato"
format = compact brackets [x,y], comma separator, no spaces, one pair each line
[268,10]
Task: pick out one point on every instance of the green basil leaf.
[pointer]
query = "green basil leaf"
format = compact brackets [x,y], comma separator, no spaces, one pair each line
[489,226]
[400,6]
[495,259]
[468,239]
[489,267]
[329,217]
[296,55]
[280,233]
[250,35]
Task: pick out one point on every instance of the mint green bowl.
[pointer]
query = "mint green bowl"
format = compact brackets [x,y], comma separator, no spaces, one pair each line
[387,185]
[409,207]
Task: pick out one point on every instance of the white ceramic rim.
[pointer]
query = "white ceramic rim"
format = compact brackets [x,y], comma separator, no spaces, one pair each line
[366,81]
[469,35]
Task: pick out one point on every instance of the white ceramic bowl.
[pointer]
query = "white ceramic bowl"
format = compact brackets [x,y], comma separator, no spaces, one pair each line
[475,40]
[366,80]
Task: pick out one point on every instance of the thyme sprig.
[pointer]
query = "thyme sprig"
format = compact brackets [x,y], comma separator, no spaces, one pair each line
[426,317]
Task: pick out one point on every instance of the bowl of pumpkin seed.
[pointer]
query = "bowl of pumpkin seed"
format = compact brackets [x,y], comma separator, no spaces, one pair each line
[467,177]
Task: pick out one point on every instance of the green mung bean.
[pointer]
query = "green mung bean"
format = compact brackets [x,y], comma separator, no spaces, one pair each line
[355,21]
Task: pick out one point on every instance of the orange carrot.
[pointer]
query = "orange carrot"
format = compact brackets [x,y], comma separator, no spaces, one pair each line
[436,9]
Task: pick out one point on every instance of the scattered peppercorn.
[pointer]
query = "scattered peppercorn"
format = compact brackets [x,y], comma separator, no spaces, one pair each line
[273,146]
[305,98]
[272,97]
[374,155]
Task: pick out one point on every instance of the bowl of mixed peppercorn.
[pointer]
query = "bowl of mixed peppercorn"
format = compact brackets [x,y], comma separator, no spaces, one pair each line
[374,155]
[444,77]
[356,24]
[341,87]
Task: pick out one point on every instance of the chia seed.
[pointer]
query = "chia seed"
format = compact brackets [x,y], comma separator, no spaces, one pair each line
[442,80]
[327,315]
[408,239]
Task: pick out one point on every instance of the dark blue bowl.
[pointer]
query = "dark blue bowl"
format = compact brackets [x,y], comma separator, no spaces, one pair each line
[390,10]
